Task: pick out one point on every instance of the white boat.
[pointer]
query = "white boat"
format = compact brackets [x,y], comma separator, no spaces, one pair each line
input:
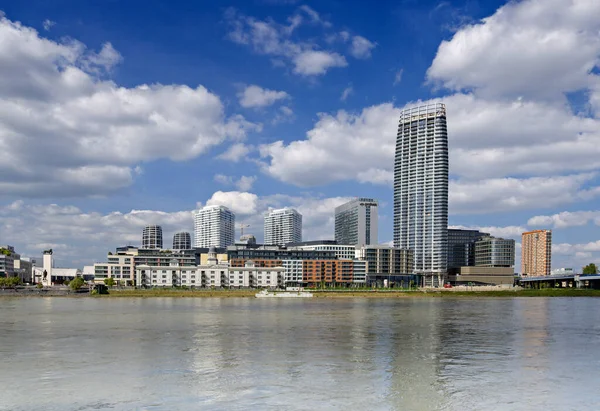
[283,294]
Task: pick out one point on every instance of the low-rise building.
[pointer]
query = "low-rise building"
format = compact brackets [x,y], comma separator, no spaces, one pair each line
[484,276]
[254,276]
[7,260]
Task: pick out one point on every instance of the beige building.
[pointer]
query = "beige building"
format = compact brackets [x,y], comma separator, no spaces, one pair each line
[536,253]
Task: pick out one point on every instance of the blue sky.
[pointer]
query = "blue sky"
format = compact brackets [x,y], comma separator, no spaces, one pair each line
[266,103]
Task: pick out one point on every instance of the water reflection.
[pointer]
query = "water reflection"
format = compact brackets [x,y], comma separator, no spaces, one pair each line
[418,354]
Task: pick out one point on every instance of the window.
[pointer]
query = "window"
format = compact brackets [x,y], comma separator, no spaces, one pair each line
[193,281]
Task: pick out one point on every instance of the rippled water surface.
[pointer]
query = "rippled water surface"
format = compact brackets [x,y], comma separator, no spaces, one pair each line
[351,354]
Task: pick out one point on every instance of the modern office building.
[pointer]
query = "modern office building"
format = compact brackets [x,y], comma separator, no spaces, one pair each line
[421,190]
[461,247]
[214,226]
[152,237]
[494,252]
[356,222]
[182,241]
[283,226]
[536,253]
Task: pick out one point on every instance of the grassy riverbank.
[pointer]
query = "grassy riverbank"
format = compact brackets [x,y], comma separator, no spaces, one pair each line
[548,292]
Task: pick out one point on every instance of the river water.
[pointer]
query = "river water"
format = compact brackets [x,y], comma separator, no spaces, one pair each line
[350,354]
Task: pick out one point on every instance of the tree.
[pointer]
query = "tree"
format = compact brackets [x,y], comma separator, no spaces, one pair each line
[9,281]
[76,283]
[109,281]
[590,269]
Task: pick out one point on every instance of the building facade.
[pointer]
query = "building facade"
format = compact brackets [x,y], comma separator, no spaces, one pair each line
[356,222]
[182,241]
[152,237]
[461,247]
[214,226]
[421,190]
[536,253]
[494,252]
[7,260]
[342,251]
[384,260]
[283,226]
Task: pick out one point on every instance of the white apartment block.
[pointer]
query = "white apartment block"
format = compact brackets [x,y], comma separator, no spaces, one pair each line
[293,271]
[359,275]
[283,226]
[207,276]
[256,277]
[214,226]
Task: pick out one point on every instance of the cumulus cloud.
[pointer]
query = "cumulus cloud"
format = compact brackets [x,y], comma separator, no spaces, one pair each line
[244,183]
[239,202]
[535,48]
[236,152]
[65,131]
[283,115]
[361,47]
[566,219]
[270,38]
[254,96]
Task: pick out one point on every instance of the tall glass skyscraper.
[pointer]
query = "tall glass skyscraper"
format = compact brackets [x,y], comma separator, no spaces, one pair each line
[421,189]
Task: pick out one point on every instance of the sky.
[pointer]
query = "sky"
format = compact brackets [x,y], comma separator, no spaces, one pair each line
[117,114]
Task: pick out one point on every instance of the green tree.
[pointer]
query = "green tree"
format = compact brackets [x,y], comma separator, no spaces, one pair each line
[590,269]
[109,281]
[9,281]
[76,283]
[39,285]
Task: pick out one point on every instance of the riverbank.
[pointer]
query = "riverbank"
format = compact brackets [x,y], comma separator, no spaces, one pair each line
[380,293]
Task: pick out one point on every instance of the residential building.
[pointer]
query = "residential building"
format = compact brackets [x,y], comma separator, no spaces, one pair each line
[359,272]
[384,260]
[421,190]
[283,226]
[329,272]
[214,226]
[293,272]
[7,260]
[152,237]
[494,252]
[342,251]
[461,247]
[536,253]
[182,241]
[251,275]
[178,273]
[356,222]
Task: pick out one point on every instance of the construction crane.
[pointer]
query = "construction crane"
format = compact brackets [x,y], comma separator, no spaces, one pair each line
[242,226]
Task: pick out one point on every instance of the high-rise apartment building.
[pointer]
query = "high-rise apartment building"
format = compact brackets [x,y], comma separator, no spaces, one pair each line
[356,222]
[214,226]
[182,241]
[152,237]
[421,189]
[283,226]
[536,249]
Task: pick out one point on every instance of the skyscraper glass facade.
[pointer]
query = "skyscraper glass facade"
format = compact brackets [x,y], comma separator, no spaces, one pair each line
[421,189]
[356,222]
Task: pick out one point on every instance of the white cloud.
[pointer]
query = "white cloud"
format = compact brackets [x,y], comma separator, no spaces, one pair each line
[48,24]
[398,76]
[312,62]
[255,96]
[236,152]
[512,231]
[239,202]
[536,48]
[244,183]
[361,47]
[566,219]
[338,147]
[504,194]
[314,16]
[64,131]
[273,39]
[284,115]
[346,93]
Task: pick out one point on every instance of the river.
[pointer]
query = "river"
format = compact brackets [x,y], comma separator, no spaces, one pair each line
[305,354]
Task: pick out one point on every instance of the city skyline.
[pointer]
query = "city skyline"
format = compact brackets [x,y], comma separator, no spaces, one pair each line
[309,122]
